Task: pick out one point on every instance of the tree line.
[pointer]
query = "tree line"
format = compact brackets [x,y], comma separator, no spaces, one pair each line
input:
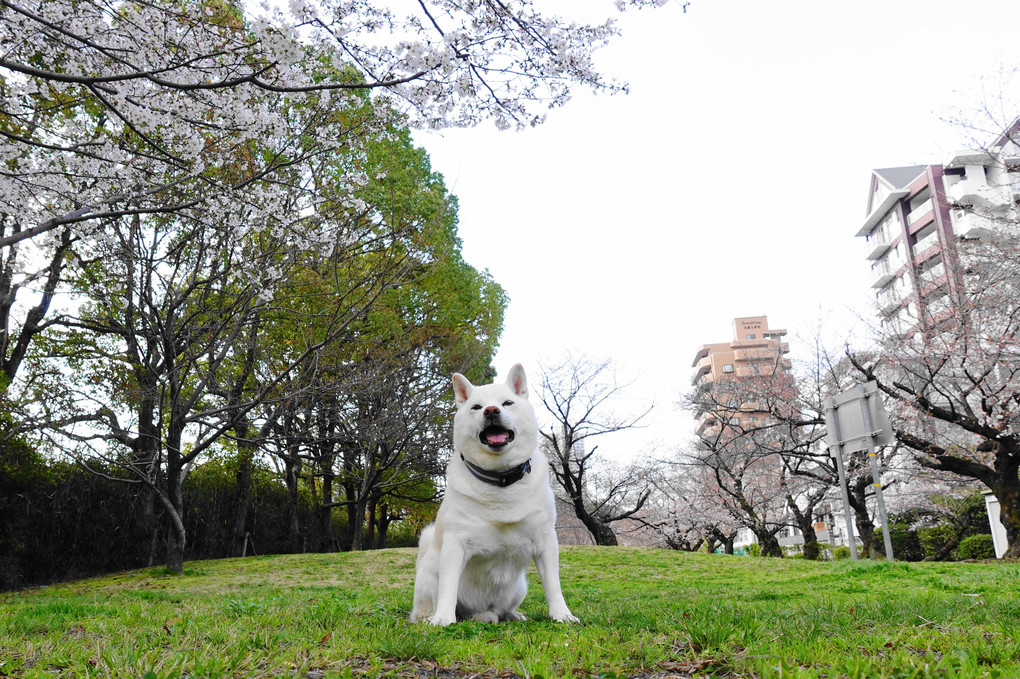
[219,246]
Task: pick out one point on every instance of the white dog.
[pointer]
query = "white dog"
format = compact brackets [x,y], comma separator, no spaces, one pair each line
[497,515]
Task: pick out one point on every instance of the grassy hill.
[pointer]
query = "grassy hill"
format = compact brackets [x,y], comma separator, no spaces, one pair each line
[643,613]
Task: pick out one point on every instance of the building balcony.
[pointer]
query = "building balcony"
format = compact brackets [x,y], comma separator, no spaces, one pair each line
[928,241]
[897,326]
[925,211]
[878,246]
[888,302]
[968,225]
[932,274]
[977,193]
[880,211]
[705,427]
[745,355]
[881,274]
[980,157]
[937,303]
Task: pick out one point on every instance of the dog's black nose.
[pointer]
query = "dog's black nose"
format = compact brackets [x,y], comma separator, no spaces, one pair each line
[492,411]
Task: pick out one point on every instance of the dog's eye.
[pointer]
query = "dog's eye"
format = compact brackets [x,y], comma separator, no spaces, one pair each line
[508,403]
[476,407]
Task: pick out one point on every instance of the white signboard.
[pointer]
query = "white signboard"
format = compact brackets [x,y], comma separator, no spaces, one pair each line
[845,420]
[855,420]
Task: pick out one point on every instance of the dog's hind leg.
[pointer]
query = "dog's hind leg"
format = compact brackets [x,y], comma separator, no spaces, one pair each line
[486,616]
[511,614]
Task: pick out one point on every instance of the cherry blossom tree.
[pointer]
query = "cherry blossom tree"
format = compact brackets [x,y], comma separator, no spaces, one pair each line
[111,109]
[138,108]
[685,512]
[954,386]
[747,424]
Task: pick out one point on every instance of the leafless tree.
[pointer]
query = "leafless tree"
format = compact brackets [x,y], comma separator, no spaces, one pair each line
[580,394]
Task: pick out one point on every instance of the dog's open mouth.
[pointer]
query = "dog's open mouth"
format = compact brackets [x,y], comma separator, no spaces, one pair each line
[495,436]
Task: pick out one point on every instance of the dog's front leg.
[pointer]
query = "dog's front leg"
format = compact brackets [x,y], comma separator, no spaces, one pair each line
[548,564]
[452,559]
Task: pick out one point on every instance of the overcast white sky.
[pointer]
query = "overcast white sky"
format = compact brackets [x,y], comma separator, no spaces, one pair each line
[729,182]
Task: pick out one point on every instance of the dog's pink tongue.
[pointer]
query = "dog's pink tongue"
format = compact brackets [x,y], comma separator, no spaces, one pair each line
[496,439]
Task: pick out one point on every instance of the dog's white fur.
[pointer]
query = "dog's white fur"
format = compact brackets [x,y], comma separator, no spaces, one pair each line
[472,560]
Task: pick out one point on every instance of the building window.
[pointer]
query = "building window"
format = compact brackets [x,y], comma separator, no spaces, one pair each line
[752,336]
[728,368]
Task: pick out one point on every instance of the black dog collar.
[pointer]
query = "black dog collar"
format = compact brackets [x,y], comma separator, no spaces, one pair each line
[501,479]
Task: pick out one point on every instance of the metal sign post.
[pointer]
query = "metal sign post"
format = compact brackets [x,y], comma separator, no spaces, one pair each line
[837,452]
[876,474]
[862,428]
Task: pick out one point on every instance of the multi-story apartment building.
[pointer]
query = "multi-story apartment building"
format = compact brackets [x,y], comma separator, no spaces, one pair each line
[918,215]
[755,350]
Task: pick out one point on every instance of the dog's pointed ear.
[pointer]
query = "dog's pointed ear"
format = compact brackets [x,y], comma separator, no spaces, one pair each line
[518,381]
[462,388]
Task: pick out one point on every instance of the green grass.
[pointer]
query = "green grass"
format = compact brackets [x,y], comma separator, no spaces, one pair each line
[648,613]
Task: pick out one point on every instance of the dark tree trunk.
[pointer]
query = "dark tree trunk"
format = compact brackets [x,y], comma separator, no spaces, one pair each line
[173,500]
[725,540]
[175,553]
[383,524]
[600,532]
[176,543]
[370,517]
[865,527]
[769,544]
[351,510]
[242,503]
[603,534]
[150,523]
[811,548]
[1007,492]
[806,525]
[292,470]
[326,543]
[357,525]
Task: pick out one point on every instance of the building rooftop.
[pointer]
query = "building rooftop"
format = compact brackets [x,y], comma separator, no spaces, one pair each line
[900,177]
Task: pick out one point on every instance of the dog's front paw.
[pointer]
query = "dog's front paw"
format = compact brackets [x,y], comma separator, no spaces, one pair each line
[438,620]
[563,616]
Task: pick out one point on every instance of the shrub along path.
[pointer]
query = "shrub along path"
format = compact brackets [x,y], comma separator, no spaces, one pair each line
[647,613]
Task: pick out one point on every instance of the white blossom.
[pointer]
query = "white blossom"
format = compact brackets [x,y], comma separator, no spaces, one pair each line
[137,106]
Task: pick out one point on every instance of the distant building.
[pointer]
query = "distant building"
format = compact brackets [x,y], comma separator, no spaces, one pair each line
[755,350]
[916,217]
[729,379]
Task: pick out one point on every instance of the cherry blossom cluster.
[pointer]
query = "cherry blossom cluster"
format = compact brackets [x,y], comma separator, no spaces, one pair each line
[121,108]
